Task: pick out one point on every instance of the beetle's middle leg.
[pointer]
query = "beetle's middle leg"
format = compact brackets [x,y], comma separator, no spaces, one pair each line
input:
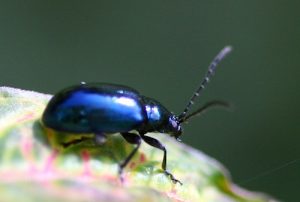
[132,139]
[157,144]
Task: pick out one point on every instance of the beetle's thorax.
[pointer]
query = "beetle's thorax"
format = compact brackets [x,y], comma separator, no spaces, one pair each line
[160,119]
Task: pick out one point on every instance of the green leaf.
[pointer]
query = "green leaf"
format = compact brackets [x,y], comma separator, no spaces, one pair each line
[34,166]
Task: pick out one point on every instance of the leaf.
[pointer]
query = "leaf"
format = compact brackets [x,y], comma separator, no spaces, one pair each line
[34,166]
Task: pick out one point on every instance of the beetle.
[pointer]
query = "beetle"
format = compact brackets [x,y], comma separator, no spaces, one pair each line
[103,109]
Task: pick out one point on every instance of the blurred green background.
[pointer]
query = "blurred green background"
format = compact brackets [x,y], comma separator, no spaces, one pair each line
[163,48]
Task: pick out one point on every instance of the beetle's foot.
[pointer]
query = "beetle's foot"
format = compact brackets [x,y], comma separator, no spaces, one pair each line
[174,180]
[121,174]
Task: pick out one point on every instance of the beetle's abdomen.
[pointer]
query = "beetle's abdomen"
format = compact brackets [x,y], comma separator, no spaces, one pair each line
[83,110]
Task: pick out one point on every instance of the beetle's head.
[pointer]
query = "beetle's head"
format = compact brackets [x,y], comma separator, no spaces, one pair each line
[174,127]
[161,119]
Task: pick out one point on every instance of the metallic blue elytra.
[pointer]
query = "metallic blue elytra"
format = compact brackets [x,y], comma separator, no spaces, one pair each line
[102,109]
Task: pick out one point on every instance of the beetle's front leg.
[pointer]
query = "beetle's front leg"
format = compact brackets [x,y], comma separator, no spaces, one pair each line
[132,139]
[155,143]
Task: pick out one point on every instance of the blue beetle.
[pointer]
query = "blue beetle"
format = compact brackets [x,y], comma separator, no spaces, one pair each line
[103,109]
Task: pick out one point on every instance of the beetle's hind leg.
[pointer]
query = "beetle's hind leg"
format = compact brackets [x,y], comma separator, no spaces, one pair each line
[99,139]
[74,142]
[155,143]
[132,139]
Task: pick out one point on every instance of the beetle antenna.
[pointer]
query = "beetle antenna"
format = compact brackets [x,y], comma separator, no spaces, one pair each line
[210,72]
[201,110]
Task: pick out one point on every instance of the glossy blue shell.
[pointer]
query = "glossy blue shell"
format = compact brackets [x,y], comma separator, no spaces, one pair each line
[96,108]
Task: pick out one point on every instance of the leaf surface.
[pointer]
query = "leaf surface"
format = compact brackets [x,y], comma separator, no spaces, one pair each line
[34,166]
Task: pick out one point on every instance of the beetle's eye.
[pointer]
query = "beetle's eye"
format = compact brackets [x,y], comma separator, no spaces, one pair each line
[179,128]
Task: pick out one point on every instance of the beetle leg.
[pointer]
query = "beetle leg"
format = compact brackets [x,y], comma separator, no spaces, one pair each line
[155,143]
[100,139]
[74,142]
[132,139]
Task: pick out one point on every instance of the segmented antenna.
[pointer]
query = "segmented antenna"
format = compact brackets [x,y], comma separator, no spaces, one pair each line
[211,104]
[211,70]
